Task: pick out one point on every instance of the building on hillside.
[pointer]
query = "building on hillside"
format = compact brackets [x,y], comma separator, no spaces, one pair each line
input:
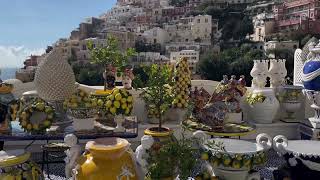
[26,74]
[86,29]
[263,25]
[126,39]
[122,13]
[144,3]
[301,15]
[156,35]
[260,7]
[83,53]
[273,47]
[175,47]
[171,13]
[191,29]
[191,55]
[148,58]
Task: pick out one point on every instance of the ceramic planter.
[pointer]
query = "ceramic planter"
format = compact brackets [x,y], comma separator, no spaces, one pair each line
[236,158]
[302,156]
[160,138]
[82,118]
[290,98]
[266,111]
[107,158]
[15,164]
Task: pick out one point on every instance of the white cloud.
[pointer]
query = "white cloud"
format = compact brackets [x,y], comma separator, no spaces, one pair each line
[13,56]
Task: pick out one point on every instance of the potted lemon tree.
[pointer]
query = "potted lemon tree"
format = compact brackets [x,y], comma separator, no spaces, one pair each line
[158,94]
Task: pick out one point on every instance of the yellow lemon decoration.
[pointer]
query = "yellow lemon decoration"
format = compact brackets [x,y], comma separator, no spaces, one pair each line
[39,106]
[81,99]
[182,84]
[120,101]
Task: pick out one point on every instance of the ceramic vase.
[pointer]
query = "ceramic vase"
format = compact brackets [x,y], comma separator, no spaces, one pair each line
[311,69]
[290,98]
[266,111]
[107,158]
[283,71]
[16,164]
[82,118]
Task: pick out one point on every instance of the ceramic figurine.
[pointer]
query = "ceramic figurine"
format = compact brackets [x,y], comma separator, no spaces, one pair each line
[72,154]
[141,152]
[225,80]
[242,81]
[274,73]
[127,77]
[200,98]
[110,76]
[119,119]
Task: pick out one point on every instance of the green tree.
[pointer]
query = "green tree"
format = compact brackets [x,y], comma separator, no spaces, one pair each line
[110,54]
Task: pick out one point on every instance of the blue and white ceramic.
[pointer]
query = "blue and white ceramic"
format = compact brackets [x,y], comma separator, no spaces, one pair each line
[311,69]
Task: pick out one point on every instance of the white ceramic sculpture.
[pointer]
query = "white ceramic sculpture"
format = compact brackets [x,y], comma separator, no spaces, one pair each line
[72,154]
[259,73]
[141,152]
[119,119]
[314,97]
[277,72]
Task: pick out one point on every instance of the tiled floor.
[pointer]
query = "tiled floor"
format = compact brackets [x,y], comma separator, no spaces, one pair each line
[274,161]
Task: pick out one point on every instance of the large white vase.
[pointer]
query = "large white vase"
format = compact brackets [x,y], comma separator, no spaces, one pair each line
[266,111]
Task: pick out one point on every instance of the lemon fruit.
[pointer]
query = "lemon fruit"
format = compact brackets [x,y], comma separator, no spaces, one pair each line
[113,110]
[116,104]
[118,97]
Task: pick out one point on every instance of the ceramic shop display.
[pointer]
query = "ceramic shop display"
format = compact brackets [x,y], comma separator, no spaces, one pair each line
[259,73]
[107,158]
[55,81]
[16,164]
[181,89]
[234,159]
[290,98]
[302,156]
[311,81]
[81,108]
[120,104]
[263,105]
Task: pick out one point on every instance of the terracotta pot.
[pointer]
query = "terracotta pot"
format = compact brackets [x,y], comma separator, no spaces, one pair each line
[108,158]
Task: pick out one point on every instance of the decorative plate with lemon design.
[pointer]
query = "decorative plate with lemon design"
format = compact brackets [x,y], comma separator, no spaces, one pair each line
[5,88]
[120,101]
[37,116]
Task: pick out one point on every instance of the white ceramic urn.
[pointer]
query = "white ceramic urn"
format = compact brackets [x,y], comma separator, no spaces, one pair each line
[264,112]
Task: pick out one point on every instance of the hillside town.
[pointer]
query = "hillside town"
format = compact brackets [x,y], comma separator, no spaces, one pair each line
[163,31]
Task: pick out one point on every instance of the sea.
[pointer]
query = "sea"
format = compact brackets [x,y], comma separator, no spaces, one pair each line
[8,73]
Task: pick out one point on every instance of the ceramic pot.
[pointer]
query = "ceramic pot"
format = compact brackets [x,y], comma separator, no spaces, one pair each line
[266,111]
[15,164]
[236,175]
[82,118]
[234,159]
[107,158]
[302,156]
[311,69]
[160,138]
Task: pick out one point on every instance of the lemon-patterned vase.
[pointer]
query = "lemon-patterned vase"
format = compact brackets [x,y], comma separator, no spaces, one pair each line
[107,158]
[160,137]
[15,165]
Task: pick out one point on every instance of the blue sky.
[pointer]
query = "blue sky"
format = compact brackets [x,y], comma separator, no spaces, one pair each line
[28,26]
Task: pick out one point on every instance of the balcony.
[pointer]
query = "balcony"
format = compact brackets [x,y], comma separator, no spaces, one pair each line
[296,3]
[289,22]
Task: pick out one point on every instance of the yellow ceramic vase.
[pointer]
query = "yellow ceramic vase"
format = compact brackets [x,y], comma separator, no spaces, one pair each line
[107,159]
[15,165]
